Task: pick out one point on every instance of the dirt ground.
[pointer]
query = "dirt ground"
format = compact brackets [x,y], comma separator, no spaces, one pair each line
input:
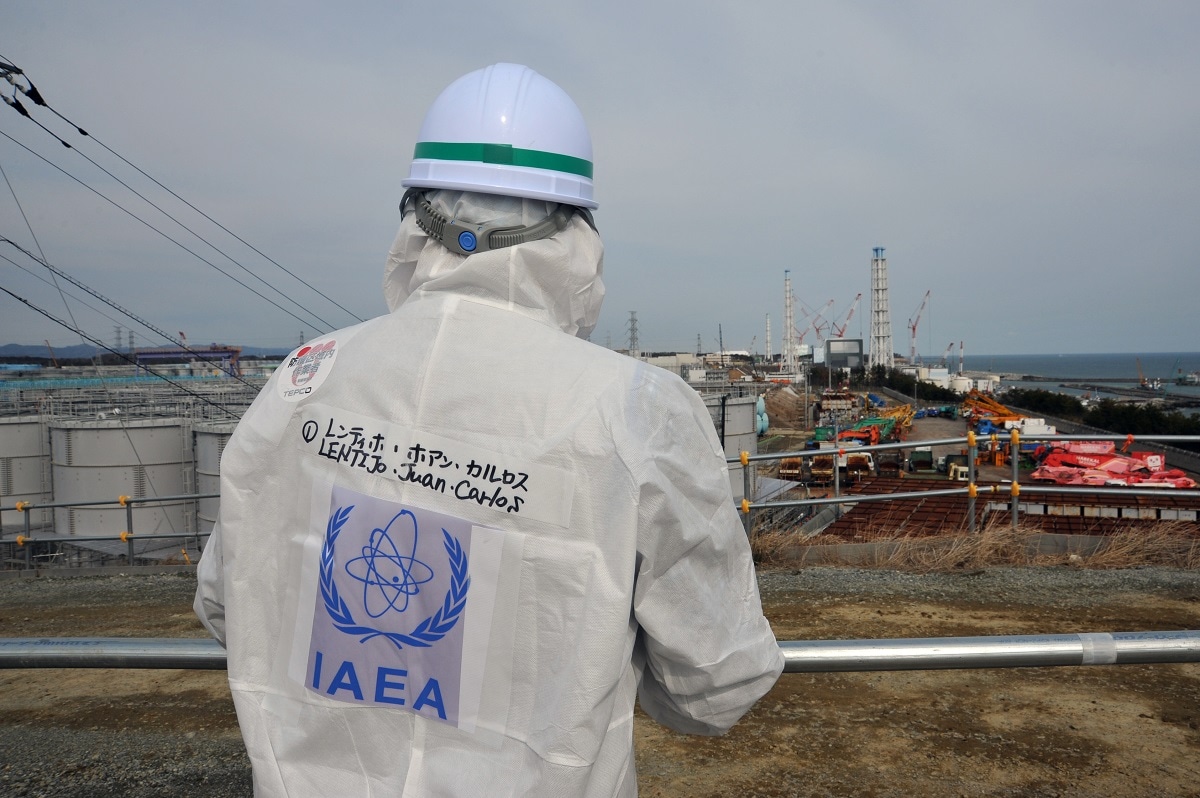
[1123,731]
[1101,731]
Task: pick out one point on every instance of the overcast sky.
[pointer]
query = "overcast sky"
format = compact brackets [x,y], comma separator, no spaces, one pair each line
[1034,166]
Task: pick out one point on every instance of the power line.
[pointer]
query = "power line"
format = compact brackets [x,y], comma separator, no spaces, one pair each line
[182,246]
[158,208]
[112,304]
[35,96]
[121,355]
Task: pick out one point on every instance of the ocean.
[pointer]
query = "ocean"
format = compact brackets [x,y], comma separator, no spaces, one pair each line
[1121,366]
[1116,370]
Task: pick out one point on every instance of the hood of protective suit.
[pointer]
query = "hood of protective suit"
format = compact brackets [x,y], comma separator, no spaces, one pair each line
[556,280]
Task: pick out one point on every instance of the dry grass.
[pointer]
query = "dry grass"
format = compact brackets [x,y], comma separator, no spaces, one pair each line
[1173,544]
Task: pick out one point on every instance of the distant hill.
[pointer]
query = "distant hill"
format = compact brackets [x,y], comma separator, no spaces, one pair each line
[40,351]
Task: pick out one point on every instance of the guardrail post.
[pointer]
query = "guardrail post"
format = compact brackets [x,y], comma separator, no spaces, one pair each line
[127,535]
[23,508]
[837,480]
[1014,451]
[747,519]
[972,453]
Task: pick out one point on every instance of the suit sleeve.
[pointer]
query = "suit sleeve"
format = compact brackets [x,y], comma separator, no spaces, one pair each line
[705,650]
[210,587]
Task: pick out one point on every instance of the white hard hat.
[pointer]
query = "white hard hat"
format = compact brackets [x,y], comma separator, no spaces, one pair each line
[505,129]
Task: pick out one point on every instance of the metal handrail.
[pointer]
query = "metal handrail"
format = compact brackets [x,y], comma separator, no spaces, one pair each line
[800,656]
[127,536]
[1013,487]
[120,500]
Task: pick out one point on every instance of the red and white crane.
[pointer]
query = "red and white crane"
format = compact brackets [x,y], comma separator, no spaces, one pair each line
[839,331]
[912,329]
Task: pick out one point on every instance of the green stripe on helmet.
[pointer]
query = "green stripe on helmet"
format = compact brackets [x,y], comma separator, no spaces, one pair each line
[504,154]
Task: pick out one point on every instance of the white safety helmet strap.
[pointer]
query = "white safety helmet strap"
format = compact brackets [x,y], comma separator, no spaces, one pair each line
[470,238]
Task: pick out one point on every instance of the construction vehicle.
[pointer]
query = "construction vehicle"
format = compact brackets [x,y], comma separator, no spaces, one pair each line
[957,473]
[1098,463]
[866,436]
[921,459]
[792,468]
[903,416]
[824,434]
[890,464]
[986,414]
[855,466]
[821,469]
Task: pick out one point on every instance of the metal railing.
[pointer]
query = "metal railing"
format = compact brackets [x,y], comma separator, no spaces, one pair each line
[800,656]
[971,490]
[127,536]
[809,656]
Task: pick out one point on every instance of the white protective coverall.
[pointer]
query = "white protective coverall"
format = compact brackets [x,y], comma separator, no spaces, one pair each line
[456,540]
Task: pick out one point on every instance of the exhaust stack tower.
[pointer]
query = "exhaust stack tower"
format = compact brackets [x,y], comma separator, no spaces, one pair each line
[880,352]
[789,325]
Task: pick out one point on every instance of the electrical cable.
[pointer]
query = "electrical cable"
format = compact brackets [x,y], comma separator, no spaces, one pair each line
[128,313]
[52,284]
[181,387]
[182,246]
[253,248]
[156,207]
[35,96]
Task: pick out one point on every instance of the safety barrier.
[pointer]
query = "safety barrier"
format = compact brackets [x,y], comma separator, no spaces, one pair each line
[809,656]
[800,656]
[971,490]
[26,540]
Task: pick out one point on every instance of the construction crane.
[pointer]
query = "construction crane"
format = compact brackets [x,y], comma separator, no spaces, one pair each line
[53,359]
[946,354]
[840,331]
[819,323]
[912,329]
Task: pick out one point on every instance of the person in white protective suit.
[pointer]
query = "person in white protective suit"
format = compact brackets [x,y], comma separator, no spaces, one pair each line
[457,540]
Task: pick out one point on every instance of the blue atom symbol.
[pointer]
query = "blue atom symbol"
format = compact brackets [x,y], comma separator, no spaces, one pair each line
[388,579]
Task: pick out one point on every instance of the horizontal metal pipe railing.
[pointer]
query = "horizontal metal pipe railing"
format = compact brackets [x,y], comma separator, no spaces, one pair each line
[199,653]
[1113,437]
[25,540]
[800,656]
[855,498]
[1005,651]
[878,447]
[971,489]
[1036,487]
[120,501]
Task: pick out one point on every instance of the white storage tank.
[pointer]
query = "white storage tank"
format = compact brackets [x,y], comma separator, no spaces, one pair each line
[211,439]
[95,460]
[961,384]
[24,471]
[736,418]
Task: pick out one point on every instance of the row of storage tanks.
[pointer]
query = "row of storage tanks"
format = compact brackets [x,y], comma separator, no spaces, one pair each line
[67,460]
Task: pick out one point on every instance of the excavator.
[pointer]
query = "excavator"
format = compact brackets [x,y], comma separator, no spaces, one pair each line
[986,414]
